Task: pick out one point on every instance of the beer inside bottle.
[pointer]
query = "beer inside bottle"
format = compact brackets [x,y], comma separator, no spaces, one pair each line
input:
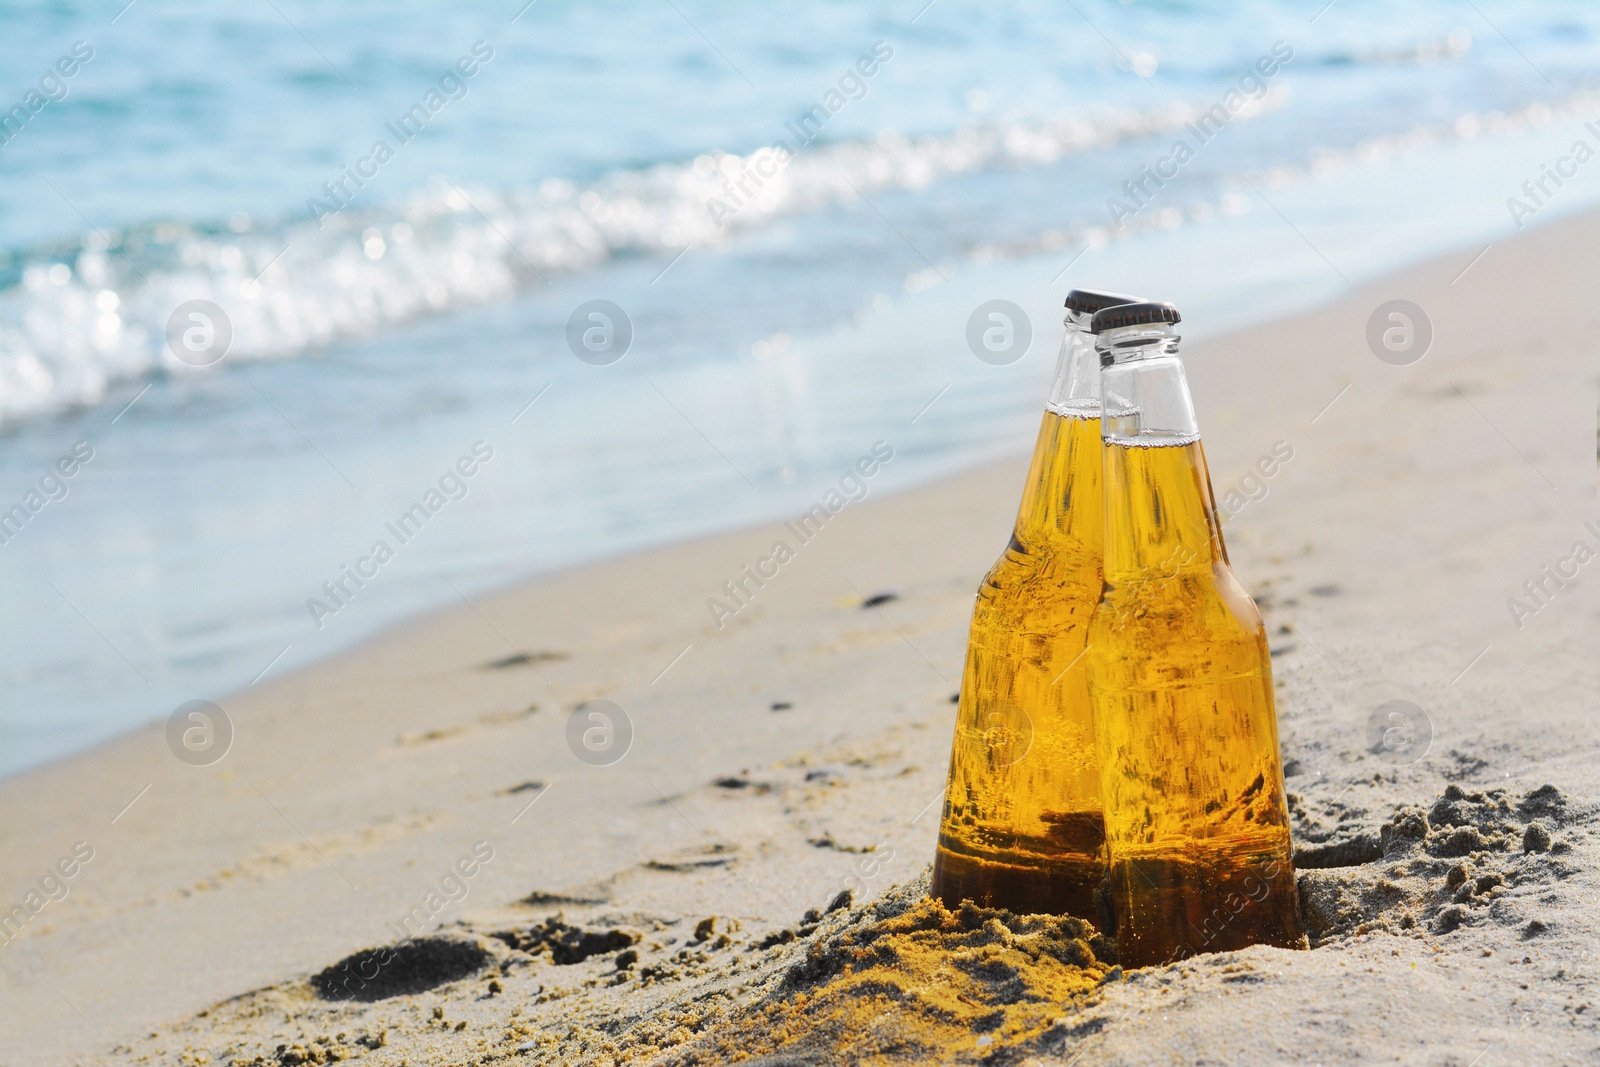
[1186,733]
[1022,826]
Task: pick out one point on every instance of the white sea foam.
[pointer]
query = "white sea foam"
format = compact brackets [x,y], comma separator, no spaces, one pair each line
[76,322]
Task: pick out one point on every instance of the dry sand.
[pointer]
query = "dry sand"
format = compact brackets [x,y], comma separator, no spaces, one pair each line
[688,903]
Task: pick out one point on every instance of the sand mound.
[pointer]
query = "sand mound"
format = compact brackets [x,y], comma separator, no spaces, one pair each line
[1486,880]
[565,943]
[908,978]
[905,981]
[1443,867]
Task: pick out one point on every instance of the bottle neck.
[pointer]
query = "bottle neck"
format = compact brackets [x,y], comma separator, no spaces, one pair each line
[1062,511]
[1146,395]
[1061,505]
[1076,389]
[1160,517]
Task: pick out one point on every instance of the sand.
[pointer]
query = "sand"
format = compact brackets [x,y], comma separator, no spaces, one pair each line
[401,861]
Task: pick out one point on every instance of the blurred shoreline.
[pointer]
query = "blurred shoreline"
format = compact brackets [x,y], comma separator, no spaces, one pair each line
[181,563]
[963,159]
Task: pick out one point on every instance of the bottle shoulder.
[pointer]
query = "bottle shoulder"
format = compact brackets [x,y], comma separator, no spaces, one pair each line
[1068,563]
[1208,599]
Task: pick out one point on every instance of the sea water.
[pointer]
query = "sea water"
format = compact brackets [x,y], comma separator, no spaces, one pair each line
[393,316]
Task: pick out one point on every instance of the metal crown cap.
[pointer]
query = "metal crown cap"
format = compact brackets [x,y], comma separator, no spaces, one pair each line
[1088,301]
[1144,313]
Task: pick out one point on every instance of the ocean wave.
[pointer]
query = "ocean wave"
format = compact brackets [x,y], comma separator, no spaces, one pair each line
[79,317]
[1320,161]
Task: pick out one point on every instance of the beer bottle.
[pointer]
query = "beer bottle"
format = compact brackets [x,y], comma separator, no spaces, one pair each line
[1022,824]
[1197,829]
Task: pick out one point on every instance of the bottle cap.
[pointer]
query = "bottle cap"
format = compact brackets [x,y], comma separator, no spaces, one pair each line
[1145,313]
[1088,301]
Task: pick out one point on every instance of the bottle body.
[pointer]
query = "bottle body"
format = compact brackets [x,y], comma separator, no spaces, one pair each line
[1197,826]
[1022,826]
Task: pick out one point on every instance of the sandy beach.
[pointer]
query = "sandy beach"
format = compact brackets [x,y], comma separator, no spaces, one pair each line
[743,877]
